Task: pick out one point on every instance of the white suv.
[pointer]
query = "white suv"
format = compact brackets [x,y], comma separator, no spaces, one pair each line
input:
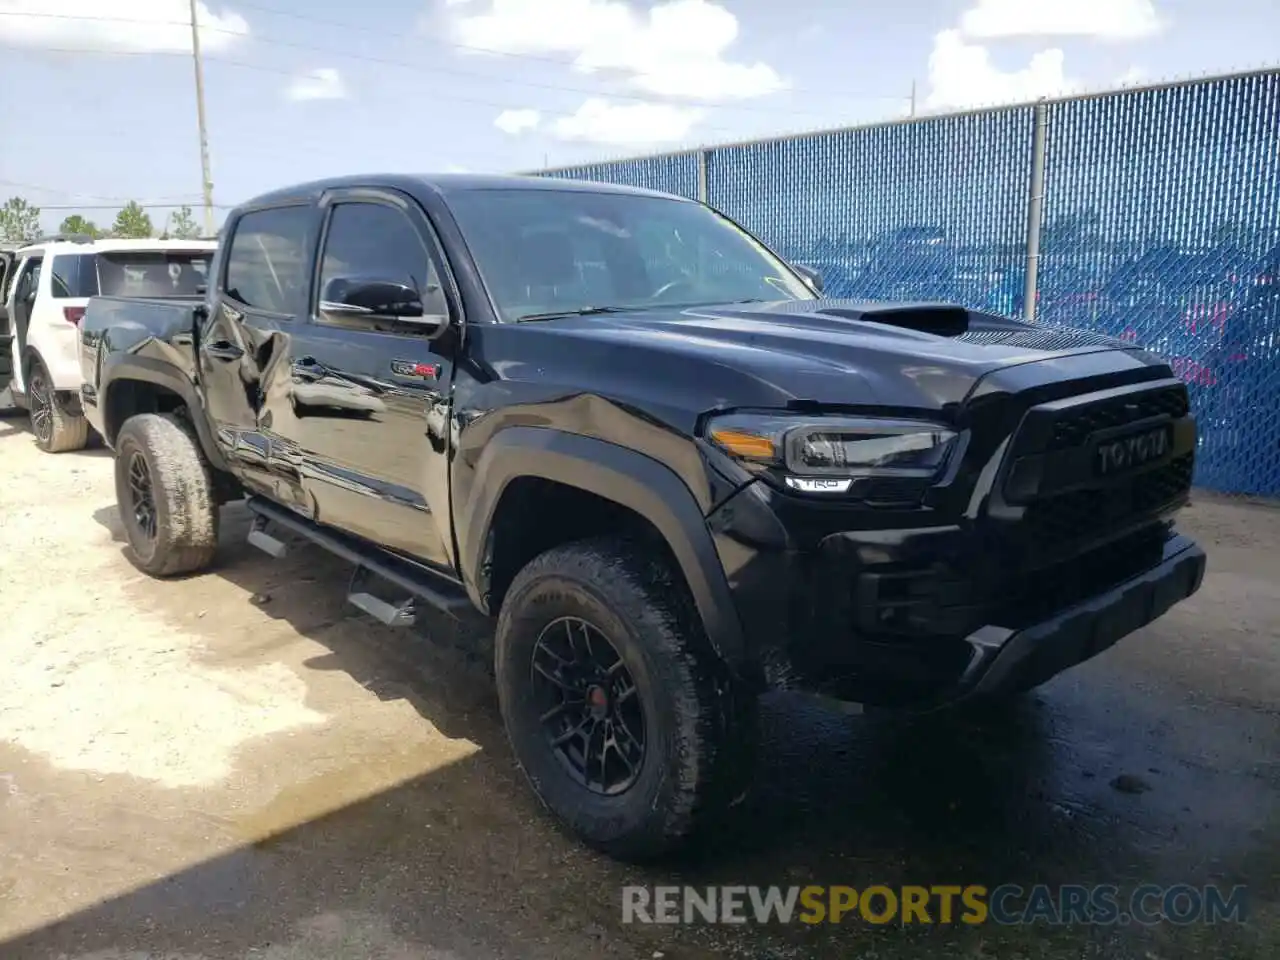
[47,290]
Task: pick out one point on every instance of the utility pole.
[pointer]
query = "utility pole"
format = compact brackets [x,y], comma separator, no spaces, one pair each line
[913,98]
[205,177]
[1035,207]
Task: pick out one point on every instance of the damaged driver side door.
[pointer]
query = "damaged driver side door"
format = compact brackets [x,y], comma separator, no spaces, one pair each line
[261,292]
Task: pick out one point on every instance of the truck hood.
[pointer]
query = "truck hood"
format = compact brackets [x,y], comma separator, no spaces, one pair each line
[841,351]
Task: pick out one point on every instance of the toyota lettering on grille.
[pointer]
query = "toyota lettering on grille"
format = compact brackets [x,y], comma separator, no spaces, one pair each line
[1128,453]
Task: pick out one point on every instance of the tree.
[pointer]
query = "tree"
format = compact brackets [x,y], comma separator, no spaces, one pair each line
[132,221]
[78,224]
[183,225]
[19,220]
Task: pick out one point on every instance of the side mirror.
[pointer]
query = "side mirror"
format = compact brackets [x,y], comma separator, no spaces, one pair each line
[812,277]
[381,299]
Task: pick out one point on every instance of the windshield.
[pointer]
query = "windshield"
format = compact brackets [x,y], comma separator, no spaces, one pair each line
[153,273]
[562,251]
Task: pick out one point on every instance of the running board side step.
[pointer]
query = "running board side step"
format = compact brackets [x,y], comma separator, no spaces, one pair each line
[264,541]
[421,583]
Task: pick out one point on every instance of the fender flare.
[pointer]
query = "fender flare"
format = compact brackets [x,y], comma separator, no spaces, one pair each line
[630,479]
[126,367]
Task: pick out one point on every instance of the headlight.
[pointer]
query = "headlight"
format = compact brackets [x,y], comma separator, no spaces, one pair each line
[828,454]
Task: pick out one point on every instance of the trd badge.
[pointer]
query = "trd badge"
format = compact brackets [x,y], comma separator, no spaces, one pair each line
[411,368]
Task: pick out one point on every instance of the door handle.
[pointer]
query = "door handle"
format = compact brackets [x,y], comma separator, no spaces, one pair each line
[223,350]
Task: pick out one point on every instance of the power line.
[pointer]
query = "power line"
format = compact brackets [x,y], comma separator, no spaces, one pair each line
[533,57]
[243,65]
[178,199]
[115,206]
[418,67]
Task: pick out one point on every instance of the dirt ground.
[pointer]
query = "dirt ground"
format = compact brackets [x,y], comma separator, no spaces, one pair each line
[239,765]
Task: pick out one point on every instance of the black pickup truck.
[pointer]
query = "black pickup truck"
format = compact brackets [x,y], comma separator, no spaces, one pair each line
[674,474]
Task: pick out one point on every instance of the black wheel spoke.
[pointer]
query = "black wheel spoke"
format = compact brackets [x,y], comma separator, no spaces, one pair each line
[41,409]
[626,762]
[571,734]
[589,706]
[558,678]
[623,691]
[142,496]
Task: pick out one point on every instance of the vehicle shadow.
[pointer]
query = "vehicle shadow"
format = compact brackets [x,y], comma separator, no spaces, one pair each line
[837,799]
[15,421]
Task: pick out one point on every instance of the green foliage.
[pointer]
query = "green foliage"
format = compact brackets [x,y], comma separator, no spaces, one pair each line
[19,220]
[183,225]
[78,224]
[132,221]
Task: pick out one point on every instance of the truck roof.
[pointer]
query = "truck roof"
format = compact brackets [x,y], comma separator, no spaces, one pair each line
[444,183]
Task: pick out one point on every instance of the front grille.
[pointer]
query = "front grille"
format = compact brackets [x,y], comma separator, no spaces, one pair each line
[1073,428]
[1080,513]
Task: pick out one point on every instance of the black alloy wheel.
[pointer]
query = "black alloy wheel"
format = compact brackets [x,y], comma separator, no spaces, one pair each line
[40,404]
[591,714]
[142,501]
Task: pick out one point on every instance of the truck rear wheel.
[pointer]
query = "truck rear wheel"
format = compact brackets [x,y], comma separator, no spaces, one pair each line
[165,493]
[619,713]
[55,430]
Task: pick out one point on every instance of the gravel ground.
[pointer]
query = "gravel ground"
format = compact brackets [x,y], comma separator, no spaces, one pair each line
[240,765]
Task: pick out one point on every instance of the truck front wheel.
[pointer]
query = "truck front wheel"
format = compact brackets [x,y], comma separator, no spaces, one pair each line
[621,716]
[165,493]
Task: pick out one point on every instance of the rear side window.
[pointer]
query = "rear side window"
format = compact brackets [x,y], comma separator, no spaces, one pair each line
[267,259]
[152,273]
[73,275]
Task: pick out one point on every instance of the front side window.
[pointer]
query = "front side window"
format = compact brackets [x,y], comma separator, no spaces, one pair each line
[267,259]
[373,241]
[549,251]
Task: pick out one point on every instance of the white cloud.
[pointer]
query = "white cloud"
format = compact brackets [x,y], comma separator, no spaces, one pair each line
[140,26]
[962,75]
[323,83]
[675,48]
[1104,19]
[1132,76]
[600,121]
[515,122]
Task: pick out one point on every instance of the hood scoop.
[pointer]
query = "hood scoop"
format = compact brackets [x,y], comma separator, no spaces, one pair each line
[938,319]
[968,326]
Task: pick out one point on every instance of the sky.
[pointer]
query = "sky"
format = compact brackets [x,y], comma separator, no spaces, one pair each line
[100,106]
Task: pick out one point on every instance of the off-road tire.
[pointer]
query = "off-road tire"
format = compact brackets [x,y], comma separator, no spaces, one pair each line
[185,509]
[65,431]
[700,728]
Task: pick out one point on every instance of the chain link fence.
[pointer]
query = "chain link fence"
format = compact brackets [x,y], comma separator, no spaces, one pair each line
[1160,223]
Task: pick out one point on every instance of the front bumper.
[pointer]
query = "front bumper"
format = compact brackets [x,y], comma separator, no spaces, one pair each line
[1005,661]
[921,617]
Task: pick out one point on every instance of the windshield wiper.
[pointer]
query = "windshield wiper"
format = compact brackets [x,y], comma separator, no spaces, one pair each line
[582,312]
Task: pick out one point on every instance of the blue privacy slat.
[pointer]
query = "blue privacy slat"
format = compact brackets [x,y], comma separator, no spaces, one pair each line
[676,173]
[921,211]
[1161,224]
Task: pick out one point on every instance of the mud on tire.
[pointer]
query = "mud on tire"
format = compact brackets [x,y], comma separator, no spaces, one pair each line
[165,493]
[698,731]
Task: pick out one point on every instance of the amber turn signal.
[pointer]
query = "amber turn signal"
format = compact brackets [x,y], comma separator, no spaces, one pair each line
[747,445]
